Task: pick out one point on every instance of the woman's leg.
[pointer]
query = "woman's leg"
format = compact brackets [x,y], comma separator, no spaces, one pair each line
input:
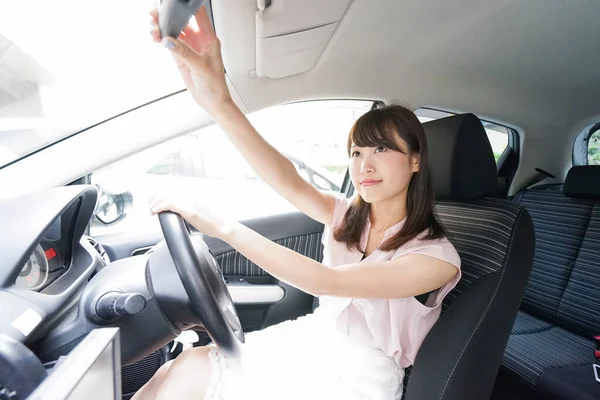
[188,377]
[185,377]
[148,391]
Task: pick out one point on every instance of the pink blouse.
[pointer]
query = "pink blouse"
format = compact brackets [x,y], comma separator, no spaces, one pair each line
[396,326]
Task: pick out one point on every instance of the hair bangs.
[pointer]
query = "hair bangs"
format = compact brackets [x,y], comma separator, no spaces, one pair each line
[374,129]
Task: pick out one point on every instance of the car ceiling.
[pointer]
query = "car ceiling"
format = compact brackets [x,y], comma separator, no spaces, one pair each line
[531,64]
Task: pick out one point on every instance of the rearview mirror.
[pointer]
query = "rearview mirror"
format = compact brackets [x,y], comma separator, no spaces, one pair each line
[112,208]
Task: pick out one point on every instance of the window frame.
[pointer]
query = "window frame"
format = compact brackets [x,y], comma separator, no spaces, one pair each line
[513,134]
[581,144]
[593,131]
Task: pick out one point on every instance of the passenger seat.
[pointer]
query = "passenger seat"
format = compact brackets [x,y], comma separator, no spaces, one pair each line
[551,346]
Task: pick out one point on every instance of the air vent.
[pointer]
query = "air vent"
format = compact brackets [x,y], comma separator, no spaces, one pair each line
[142,251]
[98,247]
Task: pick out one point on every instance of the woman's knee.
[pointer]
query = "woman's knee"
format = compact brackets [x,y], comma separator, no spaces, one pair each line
[187,376]
[160,374]
[148,391]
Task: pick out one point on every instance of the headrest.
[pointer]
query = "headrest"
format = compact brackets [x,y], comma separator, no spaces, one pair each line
[461,158]
[583,181]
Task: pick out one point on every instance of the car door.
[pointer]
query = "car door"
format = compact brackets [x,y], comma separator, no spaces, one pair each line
[206,165]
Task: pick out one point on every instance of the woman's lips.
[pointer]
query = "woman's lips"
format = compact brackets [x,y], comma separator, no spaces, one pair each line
[369,182]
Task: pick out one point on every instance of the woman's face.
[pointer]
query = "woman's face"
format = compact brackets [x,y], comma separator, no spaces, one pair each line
[379,173]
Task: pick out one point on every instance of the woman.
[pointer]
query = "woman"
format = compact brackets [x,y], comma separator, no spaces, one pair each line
[386,269]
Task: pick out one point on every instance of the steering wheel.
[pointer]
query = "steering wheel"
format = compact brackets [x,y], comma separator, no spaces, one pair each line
[204,284]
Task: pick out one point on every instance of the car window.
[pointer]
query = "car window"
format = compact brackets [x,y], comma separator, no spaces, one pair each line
[46,89]
[170,165]
[593,150]
[497,134]
[205,163]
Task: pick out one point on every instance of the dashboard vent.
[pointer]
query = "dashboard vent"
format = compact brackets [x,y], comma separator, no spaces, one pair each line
[142,251]
[98,247]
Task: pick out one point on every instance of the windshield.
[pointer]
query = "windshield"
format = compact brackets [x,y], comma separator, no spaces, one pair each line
[69,64]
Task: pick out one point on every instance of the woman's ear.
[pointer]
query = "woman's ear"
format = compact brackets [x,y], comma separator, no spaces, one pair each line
[416,163]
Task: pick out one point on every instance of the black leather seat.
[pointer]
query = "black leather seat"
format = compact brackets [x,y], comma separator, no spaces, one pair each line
[551,347]
[460,357]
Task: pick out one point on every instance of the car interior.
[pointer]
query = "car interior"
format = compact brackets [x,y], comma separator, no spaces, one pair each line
[508,93]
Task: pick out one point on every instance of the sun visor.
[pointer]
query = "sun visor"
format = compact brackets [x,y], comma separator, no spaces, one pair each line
[291,34]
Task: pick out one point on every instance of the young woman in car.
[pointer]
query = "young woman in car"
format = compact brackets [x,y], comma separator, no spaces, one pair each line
[387,263]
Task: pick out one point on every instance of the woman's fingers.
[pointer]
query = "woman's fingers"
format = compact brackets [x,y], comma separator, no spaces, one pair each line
[159,208]
[187,32]
[184,53]
[155,31]
[201,17]
[203,21]
[158,203]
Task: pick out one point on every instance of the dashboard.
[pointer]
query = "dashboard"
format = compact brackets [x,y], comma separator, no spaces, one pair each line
[47,262]
[56,286]
[46,257]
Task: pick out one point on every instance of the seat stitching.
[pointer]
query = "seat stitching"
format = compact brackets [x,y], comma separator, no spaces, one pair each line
[572,265]
[487,308]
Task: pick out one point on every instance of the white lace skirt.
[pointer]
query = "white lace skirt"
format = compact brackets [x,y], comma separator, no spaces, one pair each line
[304,359]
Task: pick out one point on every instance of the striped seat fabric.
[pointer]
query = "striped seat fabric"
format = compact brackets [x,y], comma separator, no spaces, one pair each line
[551,346]
[481,232]
[460,356]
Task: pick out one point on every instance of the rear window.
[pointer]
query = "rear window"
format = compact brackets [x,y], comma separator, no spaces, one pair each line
[497,134]
[593,150]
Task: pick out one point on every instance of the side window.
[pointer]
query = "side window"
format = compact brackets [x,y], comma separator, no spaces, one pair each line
[170,165]
[312,135]
[497,134]
[593,150]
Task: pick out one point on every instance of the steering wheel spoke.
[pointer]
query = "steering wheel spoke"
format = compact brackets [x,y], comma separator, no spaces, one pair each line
[204,284]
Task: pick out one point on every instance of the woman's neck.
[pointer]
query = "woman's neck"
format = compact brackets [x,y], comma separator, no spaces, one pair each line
[387,213]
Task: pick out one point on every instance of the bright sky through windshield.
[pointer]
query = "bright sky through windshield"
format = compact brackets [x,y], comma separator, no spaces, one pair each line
[67,64]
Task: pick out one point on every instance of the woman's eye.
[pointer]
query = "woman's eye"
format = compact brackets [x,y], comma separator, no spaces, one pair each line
[355,154]
[379,149]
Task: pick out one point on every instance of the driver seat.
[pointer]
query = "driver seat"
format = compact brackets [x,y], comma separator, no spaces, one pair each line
[461,355]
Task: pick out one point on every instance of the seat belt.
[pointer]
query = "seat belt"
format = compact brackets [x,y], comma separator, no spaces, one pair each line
[541,175]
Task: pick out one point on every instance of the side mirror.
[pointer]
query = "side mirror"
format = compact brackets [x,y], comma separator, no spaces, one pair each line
[112,208]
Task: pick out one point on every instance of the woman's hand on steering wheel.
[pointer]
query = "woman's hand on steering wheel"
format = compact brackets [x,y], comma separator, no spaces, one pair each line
[200,217]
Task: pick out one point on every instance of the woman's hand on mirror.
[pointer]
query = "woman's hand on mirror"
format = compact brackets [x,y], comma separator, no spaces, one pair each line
[197,53]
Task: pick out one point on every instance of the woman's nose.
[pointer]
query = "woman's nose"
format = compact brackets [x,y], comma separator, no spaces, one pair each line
[366,166]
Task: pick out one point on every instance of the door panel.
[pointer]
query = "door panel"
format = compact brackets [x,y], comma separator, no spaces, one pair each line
[261,300]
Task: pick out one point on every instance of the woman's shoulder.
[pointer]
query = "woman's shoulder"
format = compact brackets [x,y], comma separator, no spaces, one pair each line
[440,247]
[342,204]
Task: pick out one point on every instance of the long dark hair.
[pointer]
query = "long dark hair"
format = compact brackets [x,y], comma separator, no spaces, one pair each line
[382,127]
